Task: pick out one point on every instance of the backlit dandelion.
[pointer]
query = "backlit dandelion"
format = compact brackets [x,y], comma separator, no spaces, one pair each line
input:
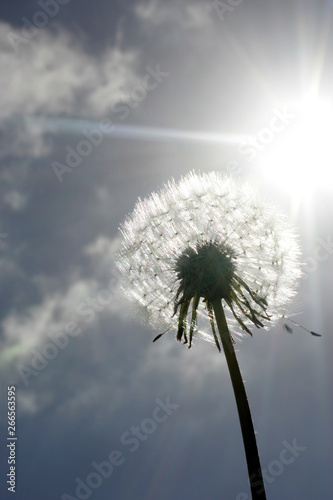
[207,238]
[205,253]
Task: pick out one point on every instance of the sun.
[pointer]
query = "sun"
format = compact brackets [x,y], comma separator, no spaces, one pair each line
[301,161]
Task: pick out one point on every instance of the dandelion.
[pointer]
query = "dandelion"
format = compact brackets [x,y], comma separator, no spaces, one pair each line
[207,252]
[205,238]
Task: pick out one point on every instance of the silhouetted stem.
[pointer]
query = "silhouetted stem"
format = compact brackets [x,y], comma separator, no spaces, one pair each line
[250,445]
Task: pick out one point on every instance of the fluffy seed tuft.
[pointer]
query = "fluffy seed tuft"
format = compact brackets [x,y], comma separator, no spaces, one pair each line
[207,237]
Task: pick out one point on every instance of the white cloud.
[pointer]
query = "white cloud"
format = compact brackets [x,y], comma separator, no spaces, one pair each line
[34,327]
[31,328]
[28,403]
[53,75]
[15,200]
[104,248]
[177,24]
[189,15]
[21,138]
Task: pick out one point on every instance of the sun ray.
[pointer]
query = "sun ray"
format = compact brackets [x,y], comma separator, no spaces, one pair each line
[135,132]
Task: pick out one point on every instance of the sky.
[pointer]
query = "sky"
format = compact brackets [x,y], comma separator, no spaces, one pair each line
[103,103]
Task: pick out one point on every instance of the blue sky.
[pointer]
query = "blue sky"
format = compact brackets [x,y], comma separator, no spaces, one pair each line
[101,103]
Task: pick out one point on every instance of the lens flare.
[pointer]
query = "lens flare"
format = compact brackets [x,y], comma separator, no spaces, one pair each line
[301,162]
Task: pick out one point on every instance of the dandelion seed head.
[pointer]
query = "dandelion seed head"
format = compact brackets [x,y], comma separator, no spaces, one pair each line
[206,270]
[207,237]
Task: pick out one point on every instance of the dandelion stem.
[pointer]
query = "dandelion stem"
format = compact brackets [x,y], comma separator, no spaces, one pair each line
[250,445]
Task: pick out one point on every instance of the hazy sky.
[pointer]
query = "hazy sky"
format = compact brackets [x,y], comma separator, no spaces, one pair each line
[101,103]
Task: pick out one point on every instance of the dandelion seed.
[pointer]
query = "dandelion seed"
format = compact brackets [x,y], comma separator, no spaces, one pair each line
[290,330]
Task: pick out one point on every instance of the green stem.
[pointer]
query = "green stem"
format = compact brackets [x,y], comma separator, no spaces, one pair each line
[244,413]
